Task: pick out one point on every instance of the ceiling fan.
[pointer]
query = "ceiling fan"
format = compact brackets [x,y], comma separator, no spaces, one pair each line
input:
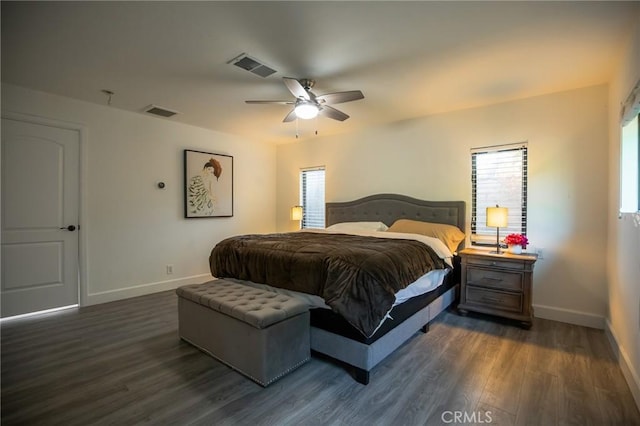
[307,105]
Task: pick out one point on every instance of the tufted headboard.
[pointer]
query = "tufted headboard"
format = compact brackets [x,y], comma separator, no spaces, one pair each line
[388,208]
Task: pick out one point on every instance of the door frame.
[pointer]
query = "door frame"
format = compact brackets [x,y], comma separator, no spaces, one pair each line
[82,207]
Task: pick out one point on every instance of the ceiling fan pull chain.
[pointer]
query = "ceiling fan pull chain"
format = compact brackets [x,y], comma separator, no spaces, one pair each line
[297,128]
[316,125]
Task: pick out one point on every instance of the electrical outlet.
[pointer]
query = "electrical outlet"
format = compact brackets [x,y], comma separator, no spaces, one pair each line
[169,269]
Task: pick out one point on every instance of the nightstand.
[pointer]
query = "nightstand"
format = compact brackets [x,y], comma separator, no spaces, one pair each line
[497,284]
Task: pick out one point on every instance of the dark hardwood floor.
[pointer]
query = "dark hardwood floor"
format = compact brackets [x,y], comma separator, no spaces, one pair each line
[123,363]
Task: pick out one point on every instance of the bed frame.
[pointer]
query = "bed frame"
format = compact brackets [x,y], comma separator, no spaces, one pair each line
[386,208]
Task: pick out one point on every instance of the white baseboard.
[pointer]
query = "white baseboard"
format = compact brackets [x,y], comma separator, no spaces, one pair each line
[569,316]
[628,371]
[141,290]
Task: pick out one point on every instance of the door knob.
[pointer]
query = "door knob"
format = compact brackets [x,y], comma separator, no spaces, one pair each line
[69,228]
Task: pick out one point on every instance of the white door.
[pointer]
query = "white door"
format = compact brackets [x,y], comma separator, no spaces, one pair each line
[40,196]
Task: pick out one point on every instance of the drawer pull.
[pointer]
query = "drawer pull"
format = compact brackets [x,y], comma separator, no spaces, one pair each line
[493,279]
[491,299]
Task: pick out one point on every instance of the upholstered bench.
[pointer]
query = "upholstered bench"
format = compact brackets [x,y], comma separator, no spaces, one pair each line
[262,334]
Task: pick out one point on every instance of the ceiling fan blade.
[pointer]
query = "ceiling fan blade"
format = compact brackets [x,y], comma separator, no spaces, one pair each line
[340,97]
[271,102]
[290,117]
[327,111]
[296,88]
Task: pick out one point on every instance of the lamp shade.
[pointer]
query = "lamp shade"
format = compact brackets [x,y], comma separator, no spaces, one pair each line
[497,217]
[296,213]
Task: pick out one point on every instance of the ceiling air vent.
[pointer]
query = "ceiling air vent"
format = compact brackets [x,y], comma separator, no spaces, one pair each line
[160,111]
[253,65]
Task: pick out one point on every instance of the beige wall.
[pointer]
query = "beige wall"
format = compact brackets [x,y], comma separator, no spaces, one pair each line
[624,233]
[131,229]
[429,158]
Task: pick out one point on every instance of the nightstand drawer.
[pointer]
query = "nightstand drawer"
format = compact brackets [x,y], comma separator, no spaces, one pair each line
[500,280]
[494,299]
[496,263]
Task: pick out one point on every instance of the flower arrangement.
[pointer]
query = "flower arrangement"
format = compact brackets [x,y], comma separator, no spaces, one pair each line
[516,240]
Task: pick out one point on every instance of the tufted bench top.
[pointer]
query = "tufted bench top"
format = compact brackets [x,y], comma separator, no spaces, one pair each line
[259,308]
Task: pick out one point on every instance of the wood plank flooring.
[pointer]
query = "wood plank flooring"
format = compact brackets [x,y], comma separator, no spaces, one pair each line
[123,363]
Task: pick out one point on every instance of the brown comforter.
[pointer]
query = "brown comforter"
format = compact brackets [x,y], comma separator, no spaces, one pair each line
[357,276]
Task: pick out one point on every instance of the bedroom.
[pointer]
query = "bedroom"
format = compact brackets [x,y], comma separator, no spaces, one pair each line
[589,273]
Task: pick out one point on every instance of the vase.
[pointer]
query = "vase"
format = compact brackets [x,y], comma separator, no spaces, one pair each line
[514,249]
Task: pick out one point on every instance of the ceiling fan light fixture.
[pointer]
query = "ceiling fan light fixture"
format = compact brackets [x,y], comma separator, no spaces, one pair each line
[307,105]
[306,110]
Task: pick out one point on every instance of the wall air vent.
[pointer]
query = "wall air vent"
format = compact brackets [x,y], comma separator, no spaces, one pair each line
[160,111]
[253,65]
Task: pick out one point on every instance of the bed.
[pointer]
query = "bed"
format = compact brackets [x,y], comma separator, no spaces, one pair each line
[334,332]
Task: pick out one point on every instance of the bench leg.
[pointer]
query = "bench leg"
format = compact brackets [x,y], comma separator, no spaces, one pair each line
[361,376]
[425,328]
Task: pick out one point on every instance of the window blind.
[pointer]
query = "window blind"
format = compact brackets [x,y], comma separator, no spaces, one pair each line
[498,177]
[631,106]
[312,197]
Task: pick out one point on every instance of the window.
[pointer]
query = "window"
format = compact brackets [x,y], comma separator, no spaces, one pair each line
[630,153]
[312,197]
[498,176]
[630,159]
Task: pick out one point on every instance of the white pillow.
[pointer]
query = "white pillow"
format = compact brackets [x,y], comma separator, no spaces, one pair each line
[358,226]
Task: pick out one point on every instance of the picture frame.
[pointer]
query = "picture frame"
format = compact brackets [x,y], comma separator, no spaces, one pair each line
[208,184]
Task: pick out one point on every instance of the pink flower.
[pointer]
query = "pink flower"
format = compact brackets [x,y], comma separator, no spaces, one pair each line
[516,240]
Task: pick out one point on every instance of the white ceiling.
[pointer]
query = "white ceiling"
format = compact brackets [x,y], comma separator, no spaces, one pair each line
[410,59]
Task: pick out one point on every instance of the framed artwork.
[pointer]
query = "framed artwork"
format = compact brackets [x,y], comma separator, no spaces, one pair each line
[208,184]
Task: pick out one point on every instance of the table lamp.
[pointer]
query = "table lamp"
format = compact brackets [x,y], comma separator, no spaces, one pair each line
[497,218]
[296,213]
